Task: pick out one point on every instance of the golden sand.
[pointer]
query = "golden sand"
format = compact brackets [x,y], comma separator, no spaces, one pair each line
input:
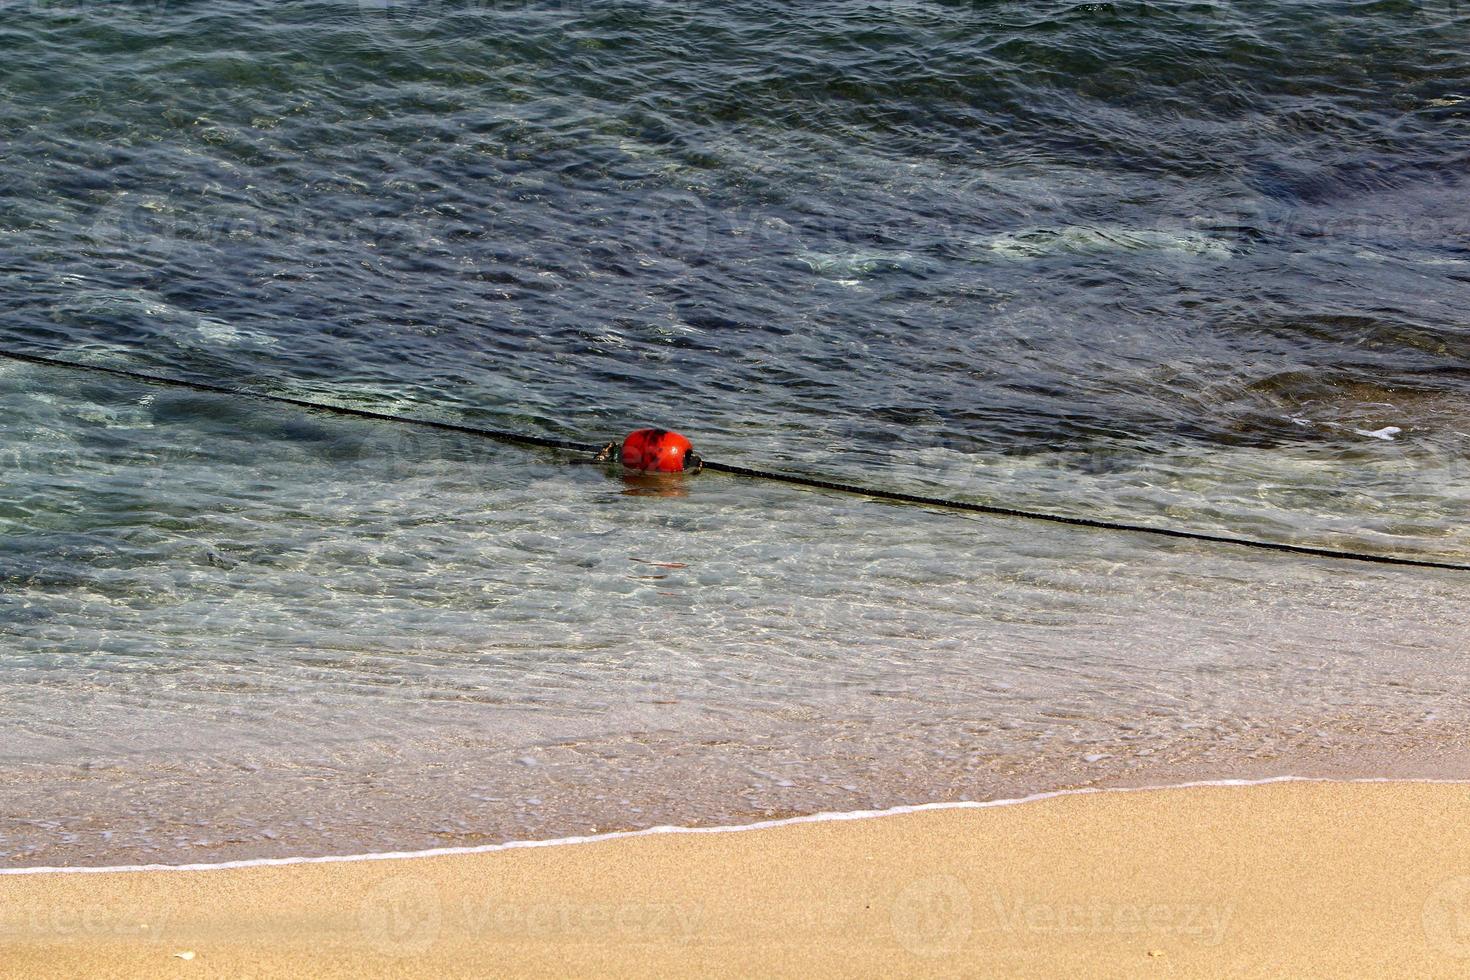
[1286,879]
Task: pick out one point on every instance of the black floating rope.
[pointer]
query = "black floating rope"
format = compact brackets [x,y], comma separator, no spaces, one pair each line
[514,438]
[543,442]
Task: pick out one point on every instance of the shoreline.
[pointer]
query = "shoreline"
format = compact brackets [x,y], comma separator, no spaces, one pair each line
[822,817]
[1287,877]
[226,819]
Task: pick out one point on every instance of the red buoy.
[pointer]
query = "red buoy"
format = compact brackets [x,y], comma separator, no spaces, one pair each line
[660,451]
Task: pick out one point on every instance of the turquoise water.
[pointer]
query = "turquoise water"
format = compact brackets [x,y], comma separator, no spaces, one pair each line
[1193,264]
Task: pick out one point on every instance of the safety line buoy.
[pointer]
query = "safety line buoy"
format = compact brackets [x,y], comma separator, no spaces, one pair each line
[655,451]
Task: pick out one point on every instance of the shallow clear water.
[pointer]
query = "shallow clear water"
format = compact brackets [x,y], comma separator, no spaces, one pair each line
[1182,264]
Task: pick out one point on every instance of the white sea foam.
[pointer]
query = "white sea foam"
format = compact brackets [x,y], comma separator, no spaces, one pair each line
[1034,243]
[848,264]
[227,335]
[732,829]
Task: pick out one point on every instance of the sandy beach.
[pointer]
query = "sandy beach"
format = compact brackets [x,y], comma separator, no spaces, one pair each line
[1281,879]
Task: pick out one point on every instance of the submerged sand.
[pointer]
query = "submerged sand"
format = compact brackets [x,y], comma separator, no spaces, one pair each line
[1282,879]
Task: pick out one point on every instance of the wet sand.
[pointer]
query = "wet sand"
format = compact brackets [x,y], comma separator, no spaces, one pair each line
[1282,879]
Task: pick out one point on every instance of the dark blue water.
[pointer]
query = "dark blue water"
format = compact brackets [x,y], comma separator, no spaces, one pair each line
[1198,264]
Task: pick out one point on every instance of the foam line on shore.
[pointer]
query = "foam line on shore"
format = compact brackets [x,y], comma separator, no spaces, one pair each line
[732,829]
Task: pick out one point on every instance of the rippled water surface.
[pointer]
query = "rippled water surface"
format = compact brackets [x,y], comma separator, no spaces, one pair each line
[1191,264]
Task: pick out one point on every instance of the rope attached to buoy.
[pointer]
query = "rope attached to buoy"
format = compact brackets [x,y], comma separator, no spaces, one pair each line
[651,448]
